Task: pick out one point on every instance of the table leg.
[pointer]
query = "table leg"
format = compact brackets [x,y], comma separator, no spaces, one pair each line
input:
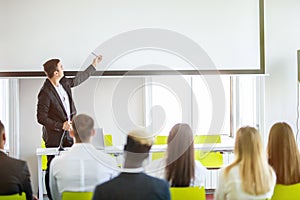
[40,178]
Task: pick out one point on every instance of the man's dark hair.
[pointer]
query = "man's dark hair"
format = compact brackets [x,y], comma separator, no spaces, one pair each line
[135,146]
[50,67]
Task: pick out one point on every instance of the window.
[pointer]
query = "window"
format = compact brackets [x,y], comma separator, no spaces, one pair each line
[211,104]
[248,100]
[192,100]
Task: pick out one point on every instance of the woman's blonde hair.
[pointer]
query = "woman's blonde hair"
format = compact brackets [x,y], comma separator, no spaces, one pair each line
[283,154]
[255,173]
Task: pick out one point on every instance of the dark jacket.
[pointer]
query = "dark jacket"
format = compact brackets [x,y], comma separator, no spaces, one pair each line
[133,186]
[14,176]
[50,110]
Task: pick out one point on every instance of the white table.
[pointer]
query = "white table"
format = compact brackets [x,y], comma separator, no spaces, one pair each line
[225,146]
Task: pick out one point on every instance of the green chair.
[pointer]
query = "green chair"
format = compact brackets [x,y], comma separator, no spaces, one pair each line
[290,192]
[108,140]
[67,195]
[13,197]
[190,193]
[208,159]
[160,139]
[44,157]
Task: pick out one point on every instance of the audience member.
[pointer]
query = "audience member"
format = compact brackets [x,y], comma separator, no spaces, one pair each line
[132,183]
[179,167]
[283,154]
[249,176]
[14,173]
[82,167]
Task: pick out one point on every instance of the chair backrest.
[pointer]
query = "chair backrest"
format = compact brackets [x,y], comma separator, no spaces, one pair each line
[183,193]
[13,197]
[44,157]
[208,159]
[68,195]
[108,141]
[289,192]
[160,139]
[207,139]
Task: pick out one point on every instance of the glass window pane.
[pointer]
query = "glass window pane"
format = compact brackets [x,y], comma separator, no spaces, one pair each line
[204,92]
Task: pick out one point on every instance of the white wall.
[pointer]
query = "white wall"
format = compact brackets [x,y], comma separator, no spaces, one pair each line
[282,41]
[30,130]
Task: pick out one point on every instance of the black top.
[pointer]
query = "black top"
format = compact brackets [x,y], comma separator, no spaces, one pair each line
[133,186]
[14,176]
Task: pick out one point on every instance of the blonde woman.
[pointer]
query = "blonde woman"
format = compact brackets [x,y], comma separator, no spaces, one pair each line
[283,154]
[249,176]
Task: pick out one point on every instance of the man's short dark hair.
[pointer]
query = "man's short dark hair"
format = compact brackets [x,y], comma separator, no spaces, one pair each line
[138,141]
[135,147]
[50,67]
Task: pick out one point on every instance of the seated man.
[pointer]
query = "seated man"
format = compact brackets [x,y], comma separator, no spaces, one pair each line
[14,173]
[83,166]
[133,183]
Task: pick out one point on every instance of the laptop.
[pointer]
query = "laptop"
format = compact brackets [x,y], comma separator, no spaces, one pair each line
[98,139]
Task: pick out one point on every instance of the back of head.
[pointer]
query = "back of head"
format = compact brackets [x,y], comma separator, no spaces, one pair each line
[50,67]
[1,128]
[180,168]
[283,154]
[2,137]
[83,126]
[254,170]
[137,147]
[248,144]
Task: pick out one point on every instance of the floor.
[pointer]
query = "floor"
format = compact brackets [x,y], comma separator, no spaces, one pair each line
[209,197]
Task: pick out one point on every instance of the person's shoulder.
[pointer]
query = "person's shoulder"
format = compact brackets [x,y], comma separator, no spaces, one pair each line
[108,184]
[45,89]
[104,158]
[59,159]
[157,181]
[16,162]
[233,172]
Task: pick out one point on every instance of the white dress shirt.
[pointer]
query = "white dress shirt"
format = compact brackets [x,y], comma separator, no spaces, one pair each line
[231,187]
[80,169]
[157,169]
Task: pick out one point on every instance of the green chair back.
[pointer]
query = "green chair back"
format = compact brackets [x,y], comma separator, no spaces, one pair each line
[160,139]
[208,159]
[67,195]
[290,192]
[207,139]
[190,193]
[108,140]
[13,197]
[44,157]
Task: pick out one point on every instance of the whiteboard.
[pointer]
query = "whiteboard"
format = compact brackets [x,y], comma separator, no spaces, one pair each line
[131,34]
